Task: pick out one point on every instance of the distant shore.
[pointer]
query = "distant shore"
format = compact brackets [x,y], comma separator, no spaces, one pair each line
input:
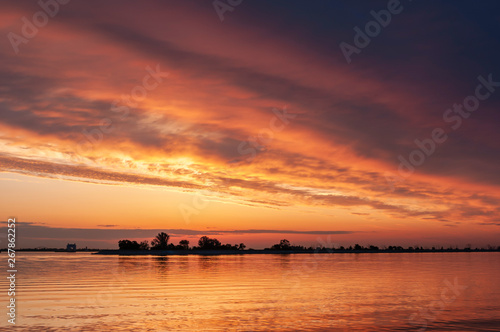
[216,252]
[52,250]
[219,252]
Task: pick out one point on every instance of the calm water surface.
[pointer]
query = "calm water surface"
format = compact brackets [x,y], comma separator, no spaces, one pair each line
[303,292]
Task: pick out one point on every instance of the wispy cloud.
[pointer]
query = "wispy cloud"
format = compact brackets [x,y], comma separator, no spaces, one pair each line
[109,235]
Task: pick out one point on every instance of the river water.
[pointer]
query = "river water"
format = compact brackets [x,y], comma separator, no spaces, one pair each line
[300,292]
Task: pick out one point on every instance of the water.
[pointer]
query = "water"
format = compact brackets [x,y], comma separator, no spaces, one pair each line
[303,292]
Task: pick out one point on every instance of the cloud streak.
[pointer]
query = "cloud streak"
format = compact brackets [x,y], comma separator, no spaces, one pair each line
[37,232]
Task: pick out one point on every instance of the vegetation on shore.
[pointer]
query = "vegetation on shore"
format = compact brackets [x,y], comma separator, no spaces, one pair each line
[212,245]
[160,242]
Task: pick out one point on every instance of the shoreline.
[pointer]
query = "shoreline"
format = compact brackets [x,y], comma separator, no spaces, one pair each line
[113,252]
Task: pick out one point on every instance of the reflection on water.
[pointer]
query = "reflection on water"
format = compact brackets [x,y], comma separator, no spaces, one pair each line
[305,292]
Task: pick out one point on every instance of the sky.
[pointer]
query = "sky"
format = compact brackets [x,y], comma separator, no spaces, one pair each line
[326,123]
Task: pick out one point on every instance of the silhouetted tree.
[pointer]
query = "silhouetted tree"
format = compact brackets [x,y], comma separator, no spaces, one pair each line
[160,242]
[184,244]
[144,245]
[242,246]
[128,245]
[283,245]
[207,243]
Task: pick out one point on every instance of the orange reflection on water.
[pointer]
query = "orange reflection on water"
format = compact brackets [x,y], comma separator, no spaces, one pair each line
[309,292]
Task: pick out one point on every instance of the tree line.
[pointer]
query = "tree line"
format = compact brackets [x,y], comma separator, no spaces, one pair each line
[160,242]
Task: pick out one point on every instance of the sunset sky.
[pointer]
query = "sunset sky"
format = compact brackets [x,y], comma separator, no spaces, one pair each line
[120,119]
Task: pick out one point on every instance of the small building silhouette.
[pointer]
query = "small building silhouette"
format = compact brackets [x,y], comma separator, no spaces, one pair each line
[71,247]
